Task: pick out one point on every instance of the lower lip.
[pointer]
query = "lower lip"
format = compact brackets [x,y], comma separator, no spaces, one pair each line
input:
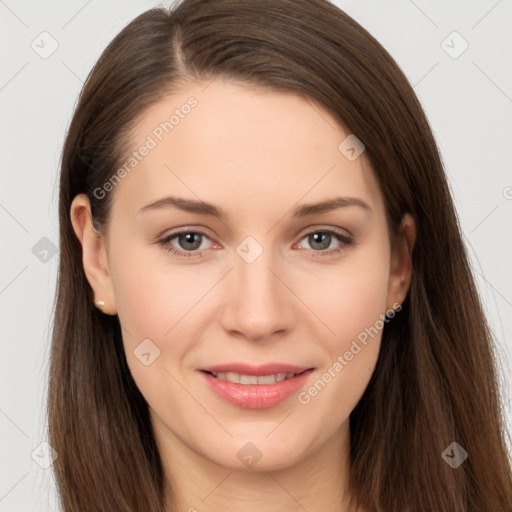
[256,396]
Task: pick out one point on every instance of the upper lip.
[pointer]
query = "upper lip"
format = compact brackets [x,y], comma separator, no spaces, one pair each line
[264,369]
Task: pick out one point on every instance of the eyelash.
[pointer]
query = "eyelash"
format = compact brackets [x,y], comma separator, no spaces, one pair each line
[345,242]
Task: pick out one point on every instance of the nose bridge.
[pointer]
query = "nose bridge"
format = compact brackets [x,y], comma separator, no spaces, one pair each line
[257,306]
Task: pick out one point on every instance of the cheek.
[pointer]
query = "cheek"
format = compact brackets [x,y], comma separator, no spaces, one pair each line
[167,304]
[153,298]
[351,303]
[347,298]
[159,303]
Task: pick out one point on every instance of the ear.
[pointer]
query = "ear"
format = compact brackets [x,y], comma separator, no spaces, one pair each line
[94,253]
[401,263]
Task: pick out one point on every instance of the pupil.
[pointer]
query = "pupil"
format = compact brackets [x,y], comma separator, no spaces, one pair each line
[188,238]
[323,239]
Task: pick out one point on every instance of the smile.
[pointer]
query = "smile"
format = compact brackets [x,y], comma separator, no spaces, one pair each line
[249,391]
[241,378]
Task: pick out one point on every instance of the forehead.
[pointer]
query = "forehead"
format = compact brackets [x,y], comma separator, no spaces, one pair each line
[238,145]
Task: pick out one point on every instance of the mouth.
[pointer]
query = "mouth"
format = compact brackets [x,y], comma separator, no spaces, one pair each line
[244,378]
[255,387]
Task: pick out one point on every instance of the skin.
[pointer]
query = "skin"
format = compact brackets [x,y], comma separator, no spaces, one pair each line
[257,154]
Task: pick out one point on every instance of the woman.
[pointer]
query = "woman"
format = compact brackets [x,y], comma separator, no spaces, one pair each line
[320,345]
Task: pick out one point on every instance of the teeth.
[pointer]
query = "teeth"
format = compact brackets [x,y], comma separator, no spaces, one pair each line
[267,379]
[232,377]
[248,379]
[239,378]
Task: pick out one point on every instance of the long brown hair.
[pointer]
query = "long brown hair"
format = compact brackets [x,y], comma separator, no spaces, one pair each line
[436,379]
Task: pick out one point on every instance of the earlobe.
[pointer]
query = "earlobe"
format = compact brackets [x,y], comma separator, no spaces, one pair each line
[94,254]
[401,263]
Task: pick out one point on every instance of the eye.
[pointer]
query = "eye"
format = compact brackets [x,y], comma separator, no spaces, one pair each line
[190,243]
[320,240]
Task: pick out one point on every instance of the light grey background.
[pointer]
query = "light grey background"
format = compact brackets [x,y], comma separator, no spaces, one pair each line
[468,101]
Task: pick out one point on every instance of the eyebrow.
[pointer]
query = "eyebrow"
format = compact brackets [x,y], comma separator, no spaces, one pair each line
[204,208]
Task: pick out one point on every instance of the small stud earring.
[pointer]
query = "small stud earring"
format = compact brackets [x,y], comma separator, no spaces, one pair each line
[101,304]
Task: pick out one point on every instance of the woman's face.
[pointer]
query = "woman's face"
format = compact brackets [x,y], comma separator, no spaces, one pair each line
[263,277]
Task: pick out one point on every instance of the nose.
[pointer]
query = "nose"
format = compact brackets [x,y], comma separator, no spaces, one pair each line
[258,306]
